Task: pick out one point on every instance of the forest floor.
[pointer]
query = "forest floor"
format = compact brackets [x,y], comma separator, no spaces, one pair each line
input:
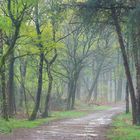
[90,127]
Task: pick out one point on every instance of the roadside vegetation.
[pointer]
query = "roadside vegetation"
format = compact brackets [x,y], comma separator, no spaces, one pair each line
[122,129]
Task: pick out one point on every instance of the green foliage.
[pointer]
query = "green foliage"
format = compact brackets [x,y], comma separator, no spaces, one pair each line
[123,129]
[5,23]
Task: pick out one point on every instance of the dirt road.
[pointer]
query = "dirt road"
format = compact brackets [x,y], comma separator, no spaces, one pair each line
[91,127]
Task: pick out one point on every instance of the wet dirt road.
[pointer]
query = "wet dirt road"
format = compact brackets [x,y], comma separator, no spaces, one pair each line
[90,127]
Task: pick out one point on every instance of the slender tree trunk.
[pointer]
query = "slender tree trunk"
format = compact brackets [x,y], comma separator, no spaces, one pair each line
[78,90]
[115,88]
[73,94]
[136,54]
[138,92]
[75,80]
[23,96]
[11,96]
[47,101]
[126,65]
[39,90]
[120,82]
[127,98]
[70,90]
[3,81]
[50,78]
[40,76]
[4,99]
[110,85]
[96,91]
[23,64]
[94,82]
[119,89]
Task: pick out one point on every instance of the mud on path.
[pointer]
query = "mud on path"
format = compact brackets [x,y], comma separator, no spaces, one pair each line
[90,127]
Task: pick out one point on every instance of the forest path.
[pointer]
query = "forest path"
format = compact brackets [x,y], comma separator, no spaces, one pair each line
[90,127]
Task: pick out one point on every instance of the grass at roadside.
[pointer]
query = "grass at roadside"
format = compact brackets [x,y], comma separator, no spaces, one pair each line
[123,129]
[7,127]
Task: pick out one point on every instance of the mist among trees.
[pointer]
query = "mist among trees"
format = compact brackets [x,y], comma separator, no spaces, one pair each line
[56,55]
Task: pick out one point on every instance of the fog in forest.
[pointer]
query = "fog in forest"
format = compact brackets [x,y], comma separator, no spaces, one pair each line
[60,59]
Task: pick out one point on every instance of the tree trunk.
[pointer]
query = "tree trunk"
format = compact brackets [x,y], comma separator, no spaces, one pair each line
[136,54]
[3,81]
[110,85]
[96,91]
[78,90]
[115,88]
[127,98]
[126,65]
[47,101]
[39,90]
[73,94]
[4,99]
[23,97]
[11,96]
[23,64]
[70,90]
[95,81]
[138,91]
[119,89]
